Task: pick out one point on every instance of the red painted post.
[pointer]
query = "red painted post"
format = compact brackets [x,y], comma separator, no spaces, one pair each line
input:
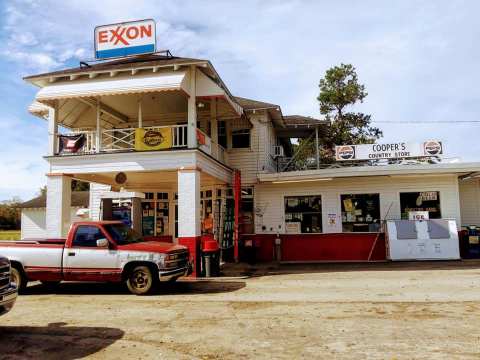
[237,195]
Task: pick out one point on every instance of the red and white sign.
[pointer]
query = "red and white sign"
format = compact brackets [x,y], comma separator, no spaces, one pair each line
[125,39]
[396,150]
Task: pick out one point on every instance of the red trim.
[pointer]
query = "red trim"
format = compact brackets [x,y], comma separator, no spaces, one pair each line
[193,245]
[322,247]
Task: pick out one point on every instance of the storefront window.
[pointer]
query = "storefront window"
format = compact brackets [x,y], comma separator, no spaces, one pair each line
[303,214]
[155,214]
[421,201]
[360,212]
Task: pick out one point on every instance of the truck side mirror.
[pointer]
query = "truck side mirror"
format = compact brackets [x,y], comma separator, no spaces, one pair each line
[103,243]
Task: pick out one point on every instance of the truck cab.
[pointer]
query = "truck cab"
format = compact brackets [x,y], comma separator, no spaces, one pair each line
[8,289]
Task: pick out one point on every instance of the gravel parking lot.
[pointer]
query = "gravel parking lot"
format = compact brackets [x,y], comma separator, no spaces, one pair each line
[384,311]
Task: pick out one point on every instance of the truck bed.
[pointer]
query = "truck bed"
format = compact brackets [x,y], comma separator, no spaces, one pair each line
[33,242]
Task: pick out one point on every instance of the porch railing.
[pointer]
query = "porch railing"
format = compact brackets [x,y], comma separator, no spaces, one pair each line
[124,139]
[113,140]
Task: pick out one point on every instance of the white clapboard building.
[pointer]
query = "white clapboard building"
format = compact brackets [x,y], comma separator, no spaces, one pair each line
[168,148]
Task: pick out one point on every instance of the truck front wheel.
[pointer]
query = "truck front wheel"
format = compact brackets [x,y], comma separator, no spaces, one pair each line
[141,280]
[18,278]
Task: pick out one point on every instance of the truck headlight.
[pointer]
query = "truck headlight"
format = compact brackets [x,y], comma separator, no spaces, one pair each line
[161,261]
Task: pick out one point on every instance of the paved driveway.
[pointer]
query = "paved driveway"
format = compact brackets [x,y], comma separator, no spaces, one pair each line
[384,311]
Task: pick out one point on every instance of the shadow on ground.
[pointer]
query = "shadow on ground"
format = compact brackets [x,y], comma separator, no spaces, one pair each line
[187,287]
[269,269]
[55,341]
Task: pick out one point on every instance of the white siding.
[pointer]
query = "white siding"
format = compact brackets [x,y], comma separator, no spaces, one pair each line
[269,198]
[33,222]
[470,201]
[95,191]
[256,158]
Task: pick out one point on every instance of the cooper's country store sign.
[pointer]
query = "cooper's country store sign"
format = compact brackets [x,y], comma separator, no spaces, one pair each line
[125,39]
[388,151]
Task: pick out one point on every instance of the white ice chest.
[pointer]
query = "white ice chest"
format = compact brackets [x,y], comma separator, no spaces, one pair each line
[423,240]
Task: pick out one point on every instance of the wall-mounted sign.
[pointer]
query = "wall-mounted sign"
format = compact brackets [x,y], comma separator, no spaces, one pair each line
[418,215]
[153,139]
[388,151]
[125,39]
[293,227]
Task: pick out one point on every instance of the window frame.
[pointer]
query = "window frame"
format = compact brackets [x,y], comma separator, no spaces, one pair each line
[100,230]
[353,194]
[421,191]
[319,213]
[237,132]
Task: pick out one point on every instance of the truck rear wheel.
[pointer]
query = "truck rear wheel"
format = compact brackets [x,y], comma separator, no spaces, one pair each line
[18,277]
[141,280]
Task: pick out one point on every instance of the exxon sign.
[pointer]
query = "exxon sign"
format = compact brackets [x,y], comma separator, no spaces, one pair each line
[125,39]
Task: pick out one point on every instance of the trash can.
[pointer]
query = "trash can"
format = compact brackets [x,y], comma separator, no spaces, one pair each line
[473,242]
[210,257]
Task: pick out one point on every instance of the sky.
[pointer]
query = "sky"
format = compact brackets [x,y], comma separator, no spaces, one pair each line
[418,60]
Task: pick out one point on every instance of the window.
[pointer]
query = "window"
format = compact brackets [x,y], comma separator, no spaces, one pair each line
[222,133]
[241,138]
[303,214]
[360,212]
[87,236]
[421,201]
[246,222]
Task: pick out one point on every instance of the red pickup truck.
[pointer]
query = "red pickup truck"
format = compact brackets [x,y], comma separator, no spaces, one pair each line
[106,251]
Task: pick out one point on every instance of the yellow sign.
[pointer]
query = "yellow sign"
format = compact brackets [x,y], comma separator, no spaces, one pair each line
[153,139]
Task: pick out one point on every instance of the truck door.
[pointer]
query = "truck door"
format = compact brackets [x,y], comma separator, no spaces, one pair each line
[86,261]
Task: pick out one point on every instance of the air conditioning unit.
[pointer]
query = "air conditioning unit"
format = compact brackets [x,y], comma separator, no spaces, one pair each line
[278,151]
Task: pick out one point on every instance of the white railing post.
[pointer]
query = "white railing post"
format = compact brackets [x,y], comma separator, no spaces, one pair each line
[98,144]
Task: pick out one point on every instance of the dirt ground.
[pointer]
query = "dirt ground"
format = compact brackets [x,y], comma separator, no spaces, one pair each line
[331,311]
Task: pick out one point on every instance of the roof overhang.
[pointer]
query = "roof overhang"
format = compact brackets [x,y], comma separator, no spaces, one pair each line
[207,88]
[120,85]
[400,171]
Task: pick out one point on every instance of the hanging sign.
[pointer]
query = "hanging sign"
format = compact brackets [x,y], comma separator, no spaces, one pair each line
[388,151]
[153,139]
[125,39]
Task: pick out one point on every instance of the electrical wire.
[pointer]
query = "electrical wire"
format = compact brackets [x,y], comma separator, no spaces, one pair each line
[428,122]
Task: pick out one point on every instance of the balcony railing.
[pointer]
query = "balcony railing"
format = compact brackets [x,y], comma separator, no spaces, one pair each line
[82,142]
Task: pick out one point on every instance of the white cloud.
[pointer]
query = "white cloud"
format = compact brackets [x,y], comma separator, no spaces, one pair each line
[416,59]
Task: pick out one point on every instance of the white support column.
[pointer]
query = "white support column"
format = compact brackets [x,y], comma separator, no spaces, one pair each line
[98,140]
[53,130]
[59,192]
[188,203]
[140,115]
[192,111]
[213,121]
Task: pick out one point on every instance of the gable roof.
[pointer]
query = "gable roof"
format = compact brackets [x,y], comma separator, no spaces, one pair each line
[79,199]
[302,121]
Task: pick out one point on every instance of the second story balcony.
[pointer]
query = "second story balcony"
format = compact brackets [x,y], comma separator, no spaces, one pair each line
[163,104]
[151,138]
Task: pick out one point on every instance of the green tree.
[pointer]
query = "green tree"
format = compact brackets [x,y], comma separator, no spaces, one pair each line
[339,91]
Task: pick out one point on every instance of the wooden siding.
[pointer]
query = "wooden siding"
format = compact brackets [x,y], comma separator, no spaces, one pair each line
[257,158]
[470,201]
[269,198]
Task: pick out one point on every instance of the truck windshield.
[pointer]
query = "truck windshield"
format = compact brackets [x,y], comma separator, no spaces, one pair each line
[122,234]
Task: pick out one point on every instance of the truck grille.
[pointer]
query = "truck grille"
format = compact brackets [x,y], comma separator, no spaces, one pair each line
[177,259]
[4,274]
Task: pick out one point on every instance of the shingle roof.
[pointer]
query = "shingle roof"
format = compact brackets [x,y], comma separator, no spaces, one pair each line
[249,104]
[79,199]
[122,64]
[299,120]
